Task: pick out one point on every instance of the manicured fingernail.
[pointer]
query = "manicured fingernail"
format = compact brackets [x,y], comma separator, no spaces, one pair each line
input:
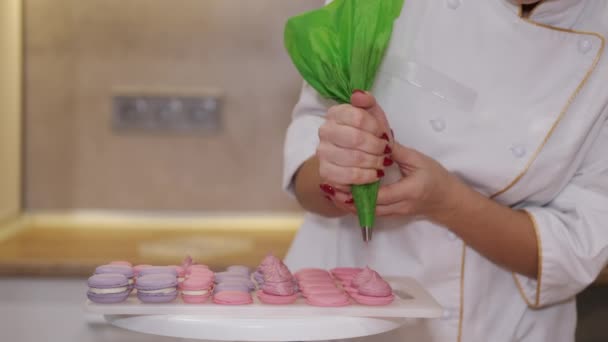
[327,198]
[388,150]
[387,161]
[350,201]
[328,189]
[358,91]
[380,173]
[385,137]
[393,133]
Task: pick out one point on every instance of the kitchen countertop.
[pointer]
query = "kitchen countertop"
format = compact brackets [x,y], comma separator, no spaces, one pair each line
[72,245]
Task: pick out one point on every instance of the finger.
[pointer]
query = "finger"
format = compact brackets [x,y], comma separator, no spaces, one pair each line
[404,190]
[349,158]
[367,101]
[343,198]
[395,209]
[405,156]
[355,117]
[348,175]
[352,138]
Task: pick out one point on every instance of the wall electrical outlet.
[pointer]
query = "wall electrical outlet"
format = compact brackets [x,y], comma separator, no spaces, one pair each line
[171,112]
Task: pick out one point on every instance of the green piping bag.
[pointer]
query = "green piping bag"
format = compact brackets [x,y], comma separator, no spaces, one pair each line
[338,49]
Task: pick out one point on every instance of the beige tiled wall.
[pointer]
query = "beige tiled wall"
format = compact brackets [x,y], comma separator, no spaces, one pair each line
[78,51]
[10,108]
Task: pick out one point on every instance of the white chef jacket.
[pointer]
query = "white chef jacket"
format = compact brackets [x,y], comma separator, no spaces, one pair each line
[518,109]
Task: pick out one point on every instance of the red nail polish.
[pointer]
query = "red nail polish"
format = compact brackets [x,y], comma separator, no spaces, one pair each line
[350,201]
[385,137]
[380,173]
[358,91]
[328,189]
[387,161]
[388,150]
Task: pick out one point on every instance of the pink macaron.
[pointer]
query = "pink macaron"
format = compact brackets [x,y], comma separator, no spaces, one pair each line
[308,277]
[372,301]
[196,290]
[322,291]
[181,272]
[341,271]
[196,267]
[276,300]
[232,298]
[328,300]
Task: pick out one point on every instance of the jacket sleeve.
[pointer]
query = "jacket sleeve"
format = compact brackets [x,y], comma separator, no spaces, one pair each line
[302,135]
[572,232]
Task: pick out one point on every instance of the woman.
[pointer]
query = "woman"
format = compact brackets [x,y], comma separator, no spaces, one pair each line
[488,128]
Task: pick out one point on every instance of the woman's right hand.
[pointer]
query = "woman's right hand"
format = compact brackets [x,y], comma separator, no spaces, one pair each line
[354,147]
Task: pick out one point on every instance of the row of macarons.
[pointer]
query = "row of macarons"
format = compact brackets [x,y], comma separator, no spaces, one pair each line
[114,282]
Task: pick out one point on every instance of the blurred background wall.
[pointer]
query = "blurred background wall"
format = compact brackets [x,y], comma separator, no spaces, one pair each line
[77,52]
[10,107]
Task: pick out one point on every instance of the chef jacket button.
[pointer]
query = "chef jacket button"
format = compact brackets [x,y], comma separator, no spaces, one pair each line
[453,4]
[438,125]
[584,45]
[518,151]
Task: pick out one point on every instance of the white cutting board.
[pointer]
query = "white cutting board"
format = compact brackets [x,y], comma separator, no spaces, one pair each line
[263,322]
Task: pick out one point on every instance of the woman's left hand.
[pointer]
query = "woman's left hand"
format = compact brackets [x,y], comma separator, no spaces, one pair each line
[426,189]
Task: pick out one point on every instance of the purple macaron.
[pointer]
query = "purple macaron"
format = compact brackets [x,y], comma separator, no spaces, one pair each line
[158,270]
[221,277]
[108,288]
[127,271]
[231,286]
[239,269]
[156,288]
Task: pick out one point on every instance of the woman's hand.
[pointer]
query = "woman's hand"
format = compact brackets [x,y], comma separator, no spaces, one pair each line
[354,148]
[427,188]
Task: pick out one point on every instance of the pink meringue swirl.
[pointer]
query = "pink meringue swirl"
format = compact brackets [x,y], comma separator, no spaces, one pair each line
[375,287]
[268,261]
[187,262]
[362,277]
[284,288]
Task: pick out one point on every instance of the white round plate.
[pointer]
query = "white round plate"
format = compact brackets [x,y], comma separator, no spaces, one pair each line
[314,328]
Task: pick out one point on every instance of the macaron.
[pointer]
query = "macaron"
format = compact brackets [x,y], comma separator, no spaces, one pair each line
[181,273]
[232,298]
[239,269]
[228,276]
[342,272]
[276,300]
[118,269]
[286,288]
[138,268]
[108,288]
[158,270]
[328,300]
[156,288]
[196,267]
[372,301]
[200,271]
[196,290]
[231,286]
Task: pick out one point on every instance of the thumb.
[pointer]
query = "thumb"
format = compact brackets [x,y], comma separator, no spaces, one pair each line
[405,156]
[367,101]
